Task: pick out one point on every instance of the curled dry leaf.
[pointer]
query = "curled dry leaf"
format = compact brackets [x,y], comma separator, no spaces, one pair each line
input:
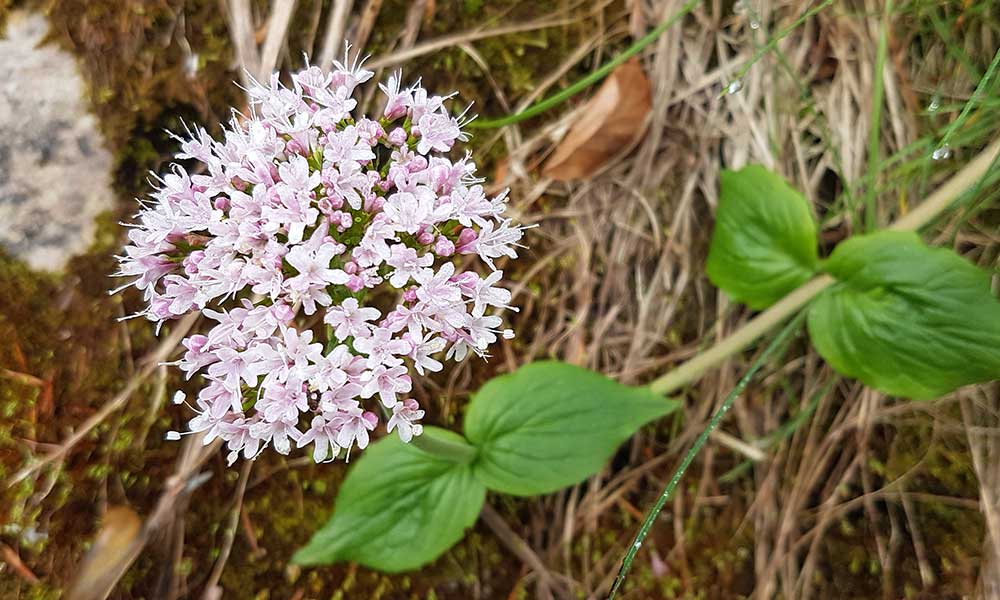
[115,547]
[609,121]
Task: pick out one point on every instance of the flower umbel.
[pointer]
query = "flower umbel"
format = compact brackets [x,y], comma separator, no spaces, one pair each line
[323,246]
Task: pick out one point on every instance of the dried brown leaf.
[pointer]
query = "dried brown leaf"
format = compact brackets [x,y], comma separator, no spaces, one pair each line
[609,121]
[115,547]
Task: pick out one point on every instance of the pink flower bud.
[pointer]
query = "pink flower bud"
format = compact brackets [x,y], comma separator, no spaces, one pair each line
[196,343]
[419,163]
[397,137]
[466,280]
[346,220]
[374,203]
[425,237]
[444,246]
[159,307]
[282,312]
[192,260]
[466,241]
[355,283]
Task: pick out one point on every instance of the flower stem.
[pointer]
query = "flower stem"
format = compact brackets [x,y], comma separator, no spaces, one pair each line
[693,369]
[462,452]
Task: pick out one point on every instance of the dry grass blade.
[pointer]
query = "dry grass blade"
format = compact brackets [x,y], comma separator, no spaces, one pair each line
[448,41]
[333,39]
[241,31]
[363,30]
[981,415]
[277,30]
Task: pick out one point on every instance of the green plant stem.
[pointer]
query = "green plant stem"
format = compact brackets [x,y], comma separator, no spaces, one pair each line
[871,218]
[460,452]
[601,73]
[758,326]
[923,215]
[778,342]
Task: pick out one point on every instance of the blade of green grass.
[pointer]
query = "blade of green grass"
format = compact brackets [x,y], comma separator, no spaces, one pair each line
[875,130]
[561,96]
[772,349]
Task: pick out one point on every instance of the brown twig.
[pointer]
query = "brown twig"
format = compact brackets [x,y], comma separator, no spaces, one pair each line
[11,558]
[230,533]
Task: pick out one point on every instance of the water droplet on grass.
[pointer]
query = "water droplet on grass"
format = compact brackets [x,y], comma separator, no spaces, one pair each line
[942,153]
[734,86]
[935,104]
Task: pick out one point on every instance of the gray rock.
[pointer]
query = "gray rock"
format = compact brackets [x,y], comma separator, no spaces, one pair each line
[55,174]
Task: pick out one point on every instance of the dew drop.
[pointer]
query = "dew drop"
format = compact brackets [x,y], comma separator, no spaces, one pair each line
[734,86]
[935,104]
[637,545]
[754,24]
[942,153]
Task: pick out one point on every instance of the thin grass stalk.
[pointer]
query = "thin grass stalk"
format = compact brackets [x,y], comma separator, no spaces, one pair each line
[875,130]
[561,96]
[773,42]
[786,333]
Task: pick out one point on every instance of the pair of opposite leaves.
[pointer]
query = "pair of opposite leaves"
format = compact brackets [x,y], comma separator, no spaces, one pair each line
[903,318]
[546,426]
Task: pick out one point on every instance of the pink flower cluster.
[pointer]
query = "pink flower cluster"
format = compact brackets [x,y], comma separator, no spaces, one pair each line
[301,215]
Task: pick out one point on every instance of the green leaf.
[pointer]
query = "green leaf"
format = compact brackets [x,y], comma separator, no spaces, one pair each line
[764,244]
[907,319]
[398,508]
[550,425]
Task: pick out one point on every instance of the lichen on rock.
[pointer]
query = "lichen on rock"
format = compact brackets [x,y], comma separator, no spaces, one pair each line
[55,174]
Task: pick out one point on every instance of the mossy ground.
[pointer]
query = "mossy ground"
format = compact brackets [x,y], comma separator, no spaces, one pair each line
[61,332]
